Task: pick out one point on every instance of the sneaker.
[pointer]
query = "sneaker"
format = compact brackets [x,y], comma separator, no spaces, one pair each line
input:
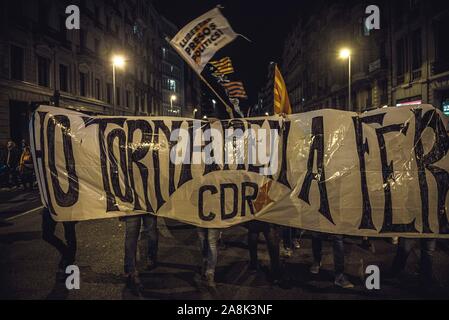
[342,282]
[315,268]
[286,253]
[296,244]
[133,284]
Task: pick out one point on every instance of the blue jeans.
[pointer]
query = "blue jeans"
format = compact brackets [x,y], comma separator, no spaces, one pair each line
[208,245]
[150,231]
[405,247]
[338,248]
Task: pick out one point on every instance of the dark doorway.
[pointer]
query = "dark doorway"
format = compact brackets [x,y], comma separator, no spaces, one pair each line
[19,117]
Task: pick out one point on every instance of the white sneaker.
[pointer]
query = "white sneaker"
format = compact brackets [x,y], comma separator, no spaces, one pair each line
[315,268]
[342,282]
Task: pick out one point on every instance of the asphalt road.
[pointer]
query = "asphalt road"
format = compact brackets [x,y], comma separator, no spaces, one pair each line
[28,265]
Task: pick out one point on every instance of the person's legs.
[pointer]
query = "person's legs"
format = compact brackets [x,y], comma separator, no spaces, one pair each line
[212,253]
[427,251]
[317,246]
[48,235]
[253,237]
[287,237]
[339,254]
[70,237]
[405,246]
[272,238]
[202,236]
[132,225]
[151,232]
[339,262]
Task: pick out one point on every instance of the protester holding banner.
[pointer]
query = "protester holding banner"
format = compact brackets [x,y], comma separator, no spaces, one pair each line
[209,253]
[339,258]
[271,236]
[405,247]
[132,230]
[66,250]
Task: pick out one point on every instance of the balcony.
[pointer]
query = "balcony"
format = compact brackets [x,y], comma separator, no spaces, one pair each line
[439,66]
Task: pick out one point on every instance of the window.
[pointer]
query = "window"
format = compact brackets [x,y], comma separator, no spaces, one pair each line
[117,95]
[97,89]
[62,28]
[63,78]
[401,59]
[83,84]
[109,93]
[83,38]
[416,50]
[43,71]
[128,98]
[137,102]
[16,63]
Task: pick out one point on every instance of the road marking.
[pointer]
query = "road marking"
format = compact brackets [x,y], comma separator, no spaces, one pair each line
[25,213]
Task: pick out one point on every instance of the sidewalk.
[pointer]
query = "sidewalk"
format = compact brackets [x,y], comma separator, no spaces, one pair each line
[17,201]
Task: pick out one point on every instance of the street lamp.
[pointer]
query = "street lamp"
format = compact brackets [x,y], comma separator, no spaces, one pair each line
[194,112]
[214,103]
[346,54]
[172,98]
[117,62]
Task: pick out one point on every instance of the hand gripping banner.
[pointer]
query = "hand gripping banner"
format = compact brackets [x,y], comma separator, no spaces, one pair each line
[382,173]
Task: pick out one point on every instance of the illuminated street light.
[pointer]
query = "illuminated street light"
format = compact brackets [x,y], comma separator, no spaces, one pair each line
[117,62]
[267,114]
[346,54]
[194,112]
[172,98]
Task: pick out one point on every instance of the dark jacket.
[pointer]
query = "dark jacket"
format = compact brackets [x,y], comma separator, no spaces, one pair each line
[13,157]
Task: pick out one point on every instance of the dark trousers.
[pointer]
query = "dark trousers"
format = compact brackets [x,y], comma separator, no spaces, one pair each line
[67,250]
[338,249]
[150,233]
[272,239]
[405,247]
[288,234]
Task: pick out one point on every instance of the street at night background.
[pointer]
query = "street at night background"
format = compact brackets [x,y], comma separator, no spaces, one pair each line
[120,62]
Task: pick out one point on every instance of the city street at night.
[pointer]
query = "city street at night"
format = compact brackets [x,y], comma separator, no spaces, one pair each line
[228,157]
[28,266]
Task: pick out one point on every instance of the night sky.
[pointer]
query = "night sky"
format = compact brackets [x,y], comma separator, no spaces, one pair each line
[265,23]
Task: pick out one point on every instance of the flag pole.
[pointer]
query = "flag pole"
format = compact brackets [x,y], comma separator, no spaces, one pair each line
[228,108]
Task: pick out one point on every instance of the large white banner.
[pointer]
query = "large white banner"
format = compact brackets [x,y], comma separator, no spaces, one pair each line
[199,40]
[383,173]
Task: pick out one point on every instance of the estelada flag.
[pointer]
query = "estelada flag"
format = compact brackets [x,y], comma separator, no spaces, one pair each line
[222,67]
[281,100]
[199,40]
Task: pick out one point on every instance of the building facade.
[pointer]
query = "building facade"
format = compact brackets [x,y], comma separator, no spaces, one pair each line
[42,62]
[172,74]
[405,61]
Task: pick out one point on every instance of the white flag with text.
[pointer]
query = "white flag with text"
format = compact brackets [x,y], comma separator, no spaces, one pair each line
[199,40]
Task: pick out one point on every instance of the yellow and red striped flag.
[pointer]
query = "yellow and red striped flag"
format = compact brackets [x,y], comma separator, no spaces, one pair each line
[281,100]
[222,66]
[235,89]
